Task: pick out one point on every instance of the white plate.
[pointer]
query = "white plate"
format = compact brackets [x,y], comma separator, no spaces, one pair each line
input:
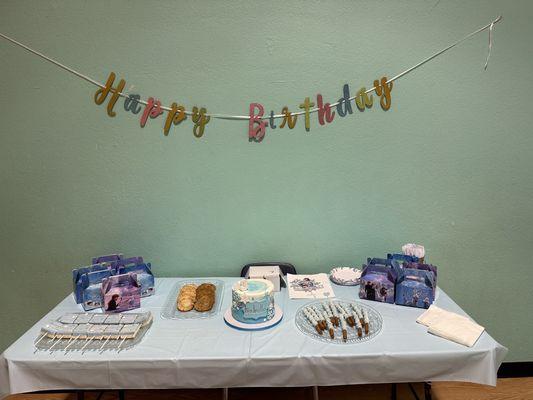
[345,276]
[278,315]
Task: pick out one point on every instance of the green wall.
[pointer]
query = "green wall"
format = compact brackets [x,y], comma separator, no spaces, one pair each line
[448,166]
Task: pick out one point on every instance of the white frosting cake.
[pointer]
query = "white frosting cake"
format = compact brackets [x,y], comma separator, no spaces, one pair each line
[252,301]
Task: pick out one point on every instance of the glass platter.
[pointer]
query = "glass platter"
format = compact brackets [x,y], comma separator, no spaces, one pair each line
[101,345]
[375,324]
[170,310]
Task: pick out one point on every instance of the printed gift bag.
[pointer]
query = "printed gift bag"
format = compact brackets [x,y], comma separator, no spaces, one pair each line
[402,259]
[91,284]
[77,273]
[426,267]
[415,288]
[145,278]
[121,293]
[377,283]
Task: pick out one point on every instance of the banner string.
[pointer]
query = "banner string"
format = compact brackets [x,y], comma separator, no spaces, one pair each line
[490,27]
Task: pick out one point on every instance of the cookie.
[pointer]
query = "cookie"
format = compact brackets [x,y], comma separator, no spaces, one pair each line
[207,286]
[204,303]
[185,304]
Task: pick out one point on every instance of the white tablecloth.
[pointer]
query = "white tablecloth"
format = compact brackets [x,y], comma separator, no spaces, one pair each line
[206,353]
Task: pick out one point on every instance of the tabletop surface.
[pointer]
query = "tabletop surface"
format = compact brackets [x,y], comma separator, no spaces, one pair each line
[209,353]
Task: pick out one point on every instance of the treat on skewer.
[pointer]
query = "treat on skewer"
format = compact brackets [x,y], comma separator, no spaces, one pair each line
[344,329]
[346,315]
[312,320]
[358,327]
[334,311]
[327,312]
[358,312]
[321,318]
[366,321]
[331,330]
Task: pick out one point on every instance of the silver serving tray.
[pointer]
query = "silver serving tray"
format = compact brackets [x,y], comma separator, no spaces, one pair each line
[375,324]
[170,311]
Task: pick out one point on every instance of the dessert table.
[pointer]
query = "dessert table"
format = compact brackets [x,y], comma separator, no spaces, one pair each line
[207,353]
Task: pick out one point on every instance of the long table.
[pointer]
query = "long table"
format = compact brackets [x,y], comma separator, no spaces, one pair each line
[207,353]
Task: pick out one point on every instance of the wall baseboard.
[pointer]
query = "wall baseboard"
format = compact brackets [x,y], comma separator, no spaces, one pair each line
[516,369]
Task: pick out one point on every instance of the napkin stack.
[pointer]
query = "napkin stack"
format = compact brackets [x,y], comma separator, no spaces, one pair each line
[451,326]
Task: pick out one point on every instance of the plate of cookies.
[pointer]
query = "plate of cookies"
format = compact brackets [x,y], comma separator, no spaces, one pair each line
[194,298]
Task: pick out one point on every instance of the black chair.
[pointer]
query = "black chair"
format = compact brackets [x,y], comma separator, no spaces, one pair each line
[286,268]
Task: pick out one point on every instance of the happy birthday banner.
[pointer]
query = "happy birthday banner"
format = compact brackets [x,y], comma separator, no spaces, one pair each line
[257,124]
[258,121]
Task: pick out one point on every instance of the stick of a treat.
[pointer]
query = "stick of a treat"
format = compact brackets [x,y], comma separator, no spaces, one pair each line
[344,330]
[366,321]
[312,320]
[87,341]
[327,312]
[335,313]
[74,341]
[357,322]
[321,318]
[358,327]
[39,340]
[313,313]
[346,315]
[59,339]
[358,312]
[103,345]
[331,329]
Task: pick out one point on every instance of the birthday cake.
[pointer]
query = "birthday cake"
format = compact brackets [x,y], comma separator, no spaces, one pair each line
[252,301]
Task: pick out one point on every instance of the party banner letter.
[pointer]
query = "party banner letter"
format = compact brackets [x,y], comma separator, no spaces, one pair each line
[306,105]
[152,109]
[256,132]
[363,100]
[383,90]
[200,121]
[101,94]
[324,110]
[175,116]
[288,118]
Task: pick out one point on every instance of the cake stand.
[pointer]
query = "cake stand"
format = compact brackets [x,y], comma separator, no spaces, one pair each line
[278,315]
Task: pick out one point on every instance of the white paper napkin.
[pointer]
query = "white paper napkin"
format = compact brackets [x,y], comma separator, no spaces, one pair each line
[451,326]
[315,286]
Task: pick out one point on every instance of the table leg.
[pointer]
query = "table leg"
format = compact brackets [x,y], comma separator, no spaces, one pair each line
[413,391]
[80,395]
[225,393]
[427,390]
[121,395]
[393,391]
[315,393]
